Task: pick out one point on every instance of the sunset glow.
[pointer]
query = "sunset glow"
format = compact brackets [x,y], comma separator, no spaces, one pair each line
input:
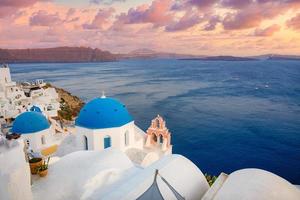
[202,27]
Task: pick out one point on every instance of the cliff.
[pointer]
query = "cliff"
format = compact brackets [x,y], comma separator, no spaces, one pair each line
[70,105]
[58,54]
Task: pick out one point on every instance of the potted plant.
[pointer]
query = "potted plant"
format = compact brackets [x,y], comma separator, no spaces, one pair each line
[43,169]
[34,164]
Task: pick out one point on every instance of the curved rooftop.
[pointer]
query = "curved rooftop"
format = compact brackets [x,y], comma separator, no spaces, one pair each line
[256,184]
[30,122]
[102,113]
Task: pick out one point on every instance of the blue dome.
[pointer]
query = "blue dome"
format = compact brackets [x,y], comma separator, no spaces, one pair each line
[30,122]
[103,113]
[35,108]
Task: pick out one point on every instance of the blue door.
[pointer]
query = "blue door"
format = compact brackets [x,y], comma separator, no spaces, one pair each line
[107,142]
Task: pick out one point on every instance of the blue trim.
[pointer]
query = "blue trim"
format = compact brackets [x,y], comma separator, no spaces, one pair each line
[103,113]
[30,122]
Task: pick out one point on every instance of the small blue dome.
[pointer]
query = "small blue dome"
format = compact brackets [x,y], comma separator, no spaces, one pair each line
[30,122]
[35,108]
[103,113]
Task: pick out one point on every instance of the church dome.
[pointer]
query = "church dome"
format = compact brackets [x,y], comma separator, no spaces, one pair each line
[103,113]
[36,109]
[30,122]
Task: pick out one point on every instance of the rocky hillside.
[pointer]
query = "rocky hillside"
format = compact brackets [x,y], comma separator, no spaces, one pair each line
[70,104]
[59,54]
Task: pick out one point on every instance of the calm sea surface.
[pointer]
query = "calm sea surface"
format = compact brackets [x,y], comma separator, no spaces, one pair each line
[222,115]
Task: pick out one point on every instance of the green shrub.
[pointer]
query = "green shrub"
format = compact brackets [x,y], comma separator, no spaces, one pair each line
[210,179]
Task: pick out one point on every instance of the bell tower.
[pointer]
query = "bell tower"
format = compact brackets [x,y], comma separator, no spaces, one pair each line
[158,135]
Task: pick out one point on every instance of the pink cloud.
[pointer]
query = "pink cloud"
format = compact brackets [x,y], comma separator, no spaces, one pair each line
[255,13]
[294,23]
[17,3]
[189,20]
[100,20]
[237,4]
[212,23]
[202,3]
[42,18]
[157,13]
[107,2]
[10,7]
[242,20]
[269,31]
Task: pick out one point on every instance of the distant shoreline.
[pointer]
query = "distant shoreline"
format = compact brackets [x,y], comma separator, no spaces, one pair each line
[222,58]
[90,55]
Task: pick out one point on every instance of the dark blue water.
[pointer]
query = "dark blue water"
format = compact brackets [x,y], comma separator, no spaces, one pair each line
[223,115]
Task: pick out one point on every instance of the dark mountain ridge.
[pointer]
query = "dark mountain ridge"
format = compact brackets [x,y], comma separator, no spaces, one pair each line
[87,54]
[57,54]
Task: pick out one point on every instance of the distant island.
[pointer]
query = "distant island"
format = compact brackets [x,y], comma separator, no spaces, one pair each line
[145,53]
[222,58]
[58,54]
[86,54]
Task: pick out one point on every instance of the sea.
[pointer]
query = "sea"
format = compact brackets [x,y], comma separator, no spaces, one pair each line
[223,115]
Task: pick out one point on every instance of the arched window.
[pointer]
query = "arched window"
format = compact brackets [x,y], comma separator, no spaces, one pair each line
[43,140]
[126,138]
[161,139]
[154,138]
[107,142]
[85,142]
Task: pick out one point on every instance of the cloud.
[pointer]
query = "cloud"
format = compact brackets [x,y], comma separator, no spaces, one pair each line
[10,7]
[187,21]
[100,20]
[42,18]
[157,13]
[242,20]
[202,3]
[237,4]
[294,23]
[187,4]
[269,31]
[17,3]
[106,2]
[212,23]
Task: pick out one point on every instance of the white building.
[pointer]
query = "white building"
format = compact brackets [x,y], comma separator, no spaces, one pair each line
[105,122]
[36,131]
[17,98]
[14,171]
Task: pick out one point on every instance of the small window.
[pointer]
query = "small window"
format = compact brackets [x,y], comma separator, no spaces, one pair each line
[107,142]
[27,142]
[126,138]
[43,140]
[85,141]
[161,139]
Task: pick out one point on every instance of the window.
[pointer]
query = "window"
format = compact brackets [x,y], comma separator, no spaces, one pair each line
[161,139]
[85,142]
[43,140]
[27,142]
[126,138]
[107,142]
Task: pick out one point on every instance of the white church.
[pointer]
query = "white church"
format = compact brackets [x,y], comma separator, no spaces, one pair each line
[109,157]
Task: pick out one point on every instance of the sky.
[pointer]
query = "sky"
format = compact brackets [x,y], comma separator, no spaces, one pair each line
[200,27]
